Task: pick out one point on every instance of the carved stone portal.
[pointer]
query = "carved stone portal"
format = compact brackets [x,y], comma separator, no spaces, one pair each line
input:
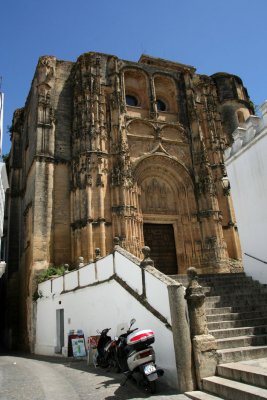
[94,167]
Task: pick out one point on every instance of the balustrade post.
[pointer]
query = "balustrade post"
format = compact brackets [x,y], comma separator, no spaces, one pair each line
[147,261]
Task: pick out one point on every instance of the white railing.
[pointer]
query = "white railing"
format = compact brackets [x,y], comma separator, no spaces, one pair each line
[104,269]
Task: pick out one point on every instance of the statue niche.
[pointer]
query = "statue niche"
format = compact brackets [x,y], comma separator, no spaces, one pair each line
[157,197]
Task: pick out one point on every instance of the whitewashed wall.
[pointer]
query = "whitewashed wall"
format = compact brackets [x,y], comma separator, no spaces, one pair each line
[246,164]
[105,305]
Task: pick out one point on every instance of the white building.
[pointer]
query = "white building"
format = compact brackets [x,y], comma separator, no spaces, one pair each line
[108,293]
[246,164]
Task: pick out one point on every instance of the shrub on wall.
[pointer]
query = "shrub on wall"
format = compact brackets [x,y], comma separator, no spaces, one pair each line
[50,272]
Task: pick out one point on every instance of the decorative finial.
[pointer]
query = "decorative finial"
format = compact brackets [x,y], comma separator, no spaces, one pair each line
[192,275]
[80,262]
[116,241]
[97,253]
[147,261]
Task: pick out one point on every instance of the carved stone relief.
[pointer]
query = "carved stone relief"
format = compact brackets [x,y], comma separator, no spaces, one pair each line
[173,134]
[138,148]
[46,69]
[181,153]
[140,128]
[157,197]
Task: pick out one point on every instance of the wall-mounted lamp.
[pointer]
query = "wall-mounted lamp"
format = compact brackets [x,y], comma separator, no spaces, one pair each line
[226,185]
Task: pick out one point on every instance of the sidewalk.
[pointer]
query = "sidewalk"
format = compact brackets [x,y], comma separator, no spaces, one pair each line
[56,378]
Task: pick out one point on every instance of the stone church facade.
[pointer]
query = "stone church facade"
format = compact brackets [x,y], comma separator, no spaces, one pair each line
[106,147]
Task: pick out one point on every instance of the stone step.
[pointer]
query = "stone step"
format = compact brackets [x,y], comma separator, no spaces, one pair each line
[198,395]
[214,279]
[242,341]
[243,331]
[225,310]
[236,289]
[237,323]
[243,297]
[238,300]
[219,310]
[241,353]
[233,390]
[224,275]
[237,284]
[245,373]
[236,316]
[217,279]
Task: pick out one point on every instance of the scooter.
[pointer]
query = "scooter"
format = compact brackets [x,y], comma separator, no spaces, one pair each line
[102,356]
[136,357]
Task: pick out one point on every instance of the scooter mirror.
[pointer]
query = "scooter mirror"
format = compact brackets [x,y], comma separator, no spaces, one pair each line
[132,321]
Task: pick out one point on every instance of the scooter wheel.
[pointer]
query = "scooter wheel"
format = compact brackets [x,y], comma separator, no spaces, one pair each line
[152,387]
[117,368]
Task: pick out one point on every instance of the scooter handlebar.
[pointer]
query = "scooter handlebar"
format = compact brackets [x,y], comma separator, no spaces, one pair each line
[131,331]
[105,331]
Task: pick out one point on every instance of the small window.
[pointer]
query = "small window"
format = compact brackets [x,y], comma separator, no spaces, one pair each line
[131,101]
[161,106]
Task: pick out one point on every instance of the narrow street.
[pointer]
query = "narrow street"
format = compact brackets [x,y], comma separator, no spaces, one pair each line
[29,377]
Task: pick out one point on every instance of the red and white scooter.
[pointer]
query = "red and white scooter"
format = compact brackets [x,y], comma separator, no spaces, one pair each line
[136,357]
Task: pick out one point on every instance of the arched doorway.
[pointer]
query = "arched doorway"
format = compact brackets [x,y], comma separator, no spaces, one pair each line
[159,210]
[169,212]
[160,239]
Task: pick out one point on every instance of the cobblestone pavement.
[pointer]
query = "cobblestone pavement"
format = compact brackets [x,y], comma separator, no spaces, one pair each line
[28,377]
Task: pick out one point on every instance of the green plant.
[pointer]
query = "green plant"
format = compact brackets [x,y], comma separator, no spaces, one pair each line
[49,272]
[5,157]
[35,295]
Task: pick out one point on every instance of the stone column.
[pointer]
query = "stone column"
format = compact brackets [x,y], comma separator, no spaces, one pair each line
[153,97]
[204,344]
[181,338]
[180,328]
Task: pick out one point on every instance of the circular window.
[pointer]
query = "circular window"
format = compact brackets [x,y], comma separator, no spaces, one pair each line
[131,100]
[161,106]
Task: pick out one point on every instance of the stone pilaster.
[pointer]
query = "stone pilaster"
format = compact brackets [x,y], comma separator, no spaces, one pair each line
[204,344]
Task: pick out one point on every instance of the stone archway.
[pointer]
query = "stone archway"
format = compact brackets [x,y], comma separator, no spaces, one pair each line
[169,212]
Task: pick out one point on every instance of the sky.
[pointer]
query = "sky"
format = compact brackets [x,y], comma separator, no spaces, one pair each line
[212,35]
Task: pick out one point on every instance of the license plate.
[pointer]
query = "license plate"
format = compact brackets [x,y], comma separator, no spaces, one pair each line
[149,369]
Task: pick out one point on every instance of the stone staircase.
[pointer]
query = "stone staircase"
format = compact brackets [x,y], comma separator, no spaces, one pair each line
[236,308]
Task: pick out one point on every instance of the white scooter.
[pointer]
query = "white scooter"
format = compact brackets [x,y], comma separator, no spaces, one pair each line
[136,357]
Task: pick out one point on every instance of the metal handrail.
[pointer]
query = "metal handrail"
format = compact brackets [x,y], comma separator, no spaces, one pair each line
[256,258]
